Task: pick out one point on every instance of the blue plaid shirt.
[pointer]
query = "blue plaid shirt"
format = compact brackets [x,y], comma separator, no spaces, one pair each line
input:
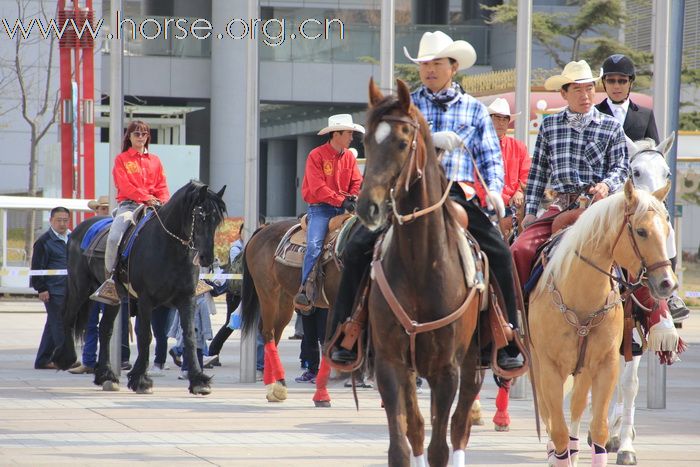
[571,160]
[470,120]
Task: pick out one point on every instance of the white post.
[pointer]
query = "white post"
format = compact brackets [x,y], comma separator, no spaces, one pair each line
[116,124]
[523,53]
[386,47]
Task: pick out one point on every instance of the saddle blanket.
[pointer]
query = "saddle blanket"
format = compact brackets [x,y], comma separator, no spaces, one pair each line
[94,229]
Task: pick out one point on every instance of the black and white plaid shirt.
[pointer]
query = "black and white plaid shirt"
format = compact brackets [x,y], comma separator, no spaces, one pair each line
[570,159]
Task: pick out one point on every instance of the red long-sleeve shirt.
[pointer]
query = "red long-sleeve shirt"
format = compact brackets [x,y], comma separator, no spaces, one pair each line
[330,177]
[516,165]
[139,176]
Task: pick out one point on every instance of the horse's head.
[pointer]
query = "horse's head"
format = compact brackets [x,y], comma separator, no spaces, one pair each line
[397,143]
[648,166]
[208,210]
[644,244]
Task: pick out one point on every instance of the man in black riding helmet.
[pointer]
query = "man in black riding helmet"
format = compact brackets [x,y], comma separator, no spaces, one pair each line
[618,76]
[637,122]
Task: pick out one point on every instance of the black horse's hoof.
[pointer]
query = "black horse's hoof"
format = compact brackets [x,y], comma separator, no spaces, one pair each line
[322,403]
[200,384]
[140,384]
[626,458]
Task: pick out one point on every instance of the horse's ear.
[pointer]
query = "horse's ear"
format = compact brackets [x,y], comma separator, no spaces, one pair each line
[629,192]
[662,192]
[404,95]
[665,146]
[375,95]
[202,192]
[220,194]
[632,148]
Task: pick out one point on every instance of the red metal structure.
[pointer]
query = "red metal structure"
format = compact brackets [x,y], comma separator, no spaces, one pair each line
[77,101]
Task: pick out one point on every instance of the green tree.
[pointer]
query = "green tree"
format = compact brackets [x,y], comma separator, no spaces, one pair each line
[587,31]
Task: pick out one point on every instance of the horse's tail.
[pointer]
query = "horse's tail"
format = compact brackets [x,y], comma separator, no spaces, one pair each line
[249,301]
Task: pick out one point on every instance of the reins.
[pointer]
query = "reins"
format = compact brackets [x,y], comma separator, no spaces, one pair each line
[188,243]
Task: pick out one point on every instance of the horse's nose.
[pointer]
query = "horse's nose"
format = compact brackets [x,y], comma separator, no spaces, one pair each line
[667,286]
[373,210]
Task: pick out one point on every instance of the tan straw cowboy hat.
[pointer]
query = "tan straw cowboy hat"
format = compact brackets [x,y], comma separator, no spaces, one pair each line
[341,122]
[574,72]
[101,201]
[437,44]
[500,106]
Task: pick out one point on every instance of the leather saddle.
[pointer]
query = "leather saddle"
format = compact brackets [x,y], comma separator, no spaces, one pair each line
[292,247]
[97,246]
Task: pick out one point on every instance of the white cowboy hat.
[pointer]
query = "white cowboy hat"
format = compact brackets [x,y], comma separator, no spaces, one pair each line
[574,72]
[500,106]
[437,44]
[341,122]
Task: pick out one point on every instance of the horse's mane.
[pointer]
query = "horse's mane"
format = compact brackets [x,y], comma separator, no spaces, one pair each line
[186,198]
[424,149]
[600,221]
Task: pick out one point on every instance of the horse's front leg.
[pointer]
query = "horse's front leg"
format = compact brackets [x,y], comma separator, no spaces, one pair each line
[389,374]
[414,420]
[139,381]
[199,382]
[104,374]
[579,401]
[469,387]
[443,387]
[601,395]
[629,385]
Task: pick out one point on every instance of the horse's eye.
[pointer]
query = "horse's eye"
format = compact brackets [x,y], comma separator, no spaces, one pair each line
[636,173]
[642,233]
[403,145]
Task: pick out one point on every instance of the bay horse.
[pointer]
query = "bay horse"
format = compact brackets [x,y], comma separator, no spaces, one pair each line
[163,269]
[420,282]
[268,293]
[576,316]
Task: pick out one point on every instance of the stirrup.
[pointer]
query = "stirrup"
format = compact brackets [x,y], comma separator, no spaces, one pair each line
[202,288]
[106,293]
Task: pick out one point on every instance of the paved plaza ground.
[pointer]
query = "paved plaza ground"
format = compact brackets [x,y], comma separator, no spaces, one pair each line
[52,418]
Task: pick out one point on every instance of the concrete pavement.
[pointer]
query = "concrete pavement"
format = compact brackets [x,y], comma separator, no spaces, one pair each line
[51,418]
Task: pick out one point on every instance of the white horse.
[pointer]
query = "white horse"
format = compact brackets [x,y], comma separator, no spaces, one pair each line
[649,171]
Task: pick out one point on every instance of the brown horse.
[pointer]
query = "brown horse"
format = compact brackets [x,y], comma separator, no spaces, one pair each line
[419,278]
[268,291]
[576,318]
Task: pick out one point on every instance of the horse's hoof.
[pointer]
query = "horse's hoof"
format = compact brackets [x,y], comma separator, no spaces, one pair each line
[110,386]
[144,391]
[501,428]
[613,444]
[201,390]
[626,458]
[322,403]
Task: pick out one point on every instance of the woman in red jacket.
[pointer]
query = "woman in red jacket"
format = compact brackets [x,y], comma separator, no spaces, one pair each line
[139,179]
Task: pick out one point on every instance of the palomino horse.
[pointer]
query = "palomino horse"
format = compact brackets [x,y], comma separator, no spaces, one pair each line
[421,284]
[268,291]
[649,171]
[163,269]
[576,316]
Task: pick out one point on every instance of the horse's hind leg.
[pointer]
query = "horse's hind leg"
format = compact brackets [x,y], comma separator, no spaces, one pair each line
[392,392]
[139,381]
[104,374]
[602,392]
[629,386]
[443,387]
[469,387]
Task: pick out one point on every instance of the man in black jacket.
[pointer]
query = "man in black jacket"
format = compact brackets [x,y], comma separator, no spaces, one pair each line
[51,252]
[618,76]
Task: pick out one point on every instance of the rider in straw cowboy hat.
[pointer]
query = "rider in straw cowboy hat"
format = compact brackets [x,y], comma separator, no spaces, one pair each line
[100,205]
[457,121]
[578,149]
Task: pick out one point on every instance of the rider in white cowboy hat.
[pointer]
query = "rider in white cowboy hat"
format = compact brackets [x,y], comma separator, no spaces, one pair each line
[458,121]
[578,149]
[516,160]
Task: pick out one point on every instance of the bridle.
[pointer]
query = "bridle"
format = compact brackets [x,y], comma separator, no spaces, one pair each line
[189,243]
[410,166]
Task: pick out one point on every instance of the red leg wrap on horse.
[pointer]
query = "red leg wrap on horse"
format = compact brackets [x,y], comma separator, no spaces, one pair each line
[272,361]
[526,245]
[267,370]
[324,372]
[502,418]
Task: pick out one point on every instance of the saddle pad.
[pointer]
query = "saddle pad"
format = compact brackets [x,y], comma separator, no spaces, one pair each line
[93,230]
[291,249]
[544,253]
[134,234]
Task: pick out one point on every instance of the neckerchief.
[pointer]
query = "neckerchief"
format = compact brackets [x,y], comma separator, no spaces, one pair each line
[445,97]
[578,121]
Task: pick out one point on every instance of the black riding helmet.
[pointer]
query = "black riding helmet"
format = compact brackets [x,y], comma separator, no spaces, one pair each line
[619,64]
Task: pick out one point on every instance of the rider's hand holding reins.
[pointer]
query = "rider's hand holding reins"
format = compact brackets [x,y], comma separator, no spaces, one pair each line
[349,203]
[528,219]
[447,140]
[599,191]
[495,203]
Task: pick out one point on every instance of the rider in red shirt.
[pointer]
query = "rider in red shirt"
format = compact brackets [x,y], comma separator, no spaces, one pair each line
[331,184]
[139,179]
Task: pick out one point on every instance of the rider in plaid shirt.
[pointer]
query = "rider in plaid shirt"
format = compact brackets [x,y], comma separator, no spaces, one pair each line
[577,149]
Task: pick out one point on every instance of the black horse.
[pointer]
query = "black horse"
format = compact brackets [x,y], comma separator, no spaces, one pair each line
[163,269]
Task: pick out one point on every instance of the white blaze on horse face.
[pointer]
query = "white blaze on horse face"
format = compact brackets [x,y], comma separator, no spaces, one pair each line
[383,130]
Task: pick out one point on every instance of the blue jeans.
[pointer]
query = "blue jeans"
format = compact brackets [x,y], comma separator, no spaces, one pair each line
[91,335]
[317,218]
